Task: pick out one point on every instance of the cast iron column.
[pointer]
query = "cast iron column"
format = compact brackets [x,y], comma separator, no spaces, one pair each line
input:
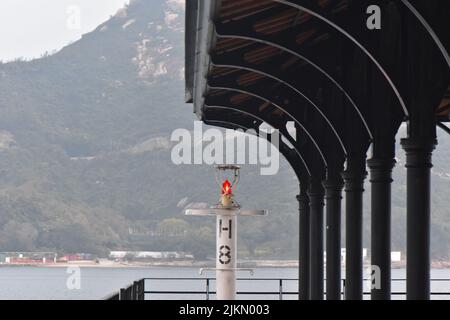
[303,268]
[316,194]
[418,164]
[381,179]
[333,197]
[354,187]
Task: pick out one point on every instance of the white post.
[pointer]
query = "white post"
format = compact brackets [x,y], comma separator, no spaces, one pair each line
[226,213]
[226,256]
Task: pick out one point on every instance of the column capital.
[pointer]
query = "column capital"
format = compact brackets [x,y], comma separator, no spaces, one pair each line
[354,181]
[335,183]
[302,197]
[333,188]
[418,152]
[381,169]
[381,163]
[316,193]
[303,186]
[419,144]
[303,203]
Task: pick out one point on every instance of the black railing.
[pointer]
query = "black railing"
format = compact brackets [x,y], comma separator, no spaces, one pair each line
[138,290]
[135,291]
[403,293]
[207,293]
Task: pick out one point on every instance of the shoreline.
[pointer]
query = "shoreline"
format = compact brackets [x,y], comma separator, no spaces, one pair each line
[156,264]
[195,264]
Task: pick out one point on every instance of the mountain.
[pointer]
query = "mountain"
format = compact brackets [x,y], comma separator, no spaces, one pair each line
[85,152]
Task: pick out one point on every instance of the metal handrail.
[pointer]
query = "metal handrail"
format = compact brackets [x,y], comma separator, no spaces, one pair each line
[402,293]
[271,279]
[213,278]
[137,290]
[134,291]
[208,291]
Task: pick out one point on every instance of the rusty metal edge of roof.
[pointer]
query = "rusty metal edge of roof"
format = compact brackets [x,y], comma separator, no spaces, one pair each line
[191,9]
[199,60]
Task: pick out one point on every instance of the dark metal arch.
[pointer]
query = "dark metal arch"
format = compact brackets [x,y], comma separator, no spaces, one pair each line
[295,4]
[287,137]
[443,127]
[302,57]
[224,123]
[282,110]
[281,149]
[291,86]
[429,29]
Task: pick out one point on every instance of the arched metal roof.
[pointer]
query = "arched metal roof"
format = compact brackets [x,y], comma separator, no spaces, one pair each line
[272,43]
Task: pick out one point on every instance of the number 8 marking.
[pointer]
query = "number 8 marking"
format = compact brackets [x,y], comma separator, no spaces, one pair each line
[224,251]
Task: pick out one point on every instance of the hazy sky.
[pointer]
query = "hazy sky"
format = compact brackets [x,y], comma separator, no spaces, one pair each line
[28,28]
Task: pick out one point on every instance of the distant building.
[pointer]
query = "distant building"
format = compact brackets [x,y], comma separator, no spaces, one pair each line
[77,257]
[117,254]
[25,258]
[163,255]
[396,256]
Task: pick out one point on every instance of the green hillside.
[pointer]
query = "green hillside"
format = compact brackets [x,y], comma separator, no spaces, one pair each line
[85,152]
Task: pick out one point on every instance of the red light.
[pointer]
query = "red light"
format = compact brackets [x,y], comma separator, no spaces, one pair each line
[226,188]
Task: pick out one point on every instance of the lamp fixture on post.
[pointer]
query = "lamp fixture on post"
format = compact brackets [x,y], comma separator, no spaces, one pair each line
[226,212]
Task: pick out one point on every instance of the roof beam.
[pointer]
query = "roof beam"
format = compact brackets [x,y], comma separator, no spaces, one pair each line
[278,77]
[204,40]
[360,43]
[443,127]
[430,30]
[222,31]
[291,155]
[259,96]
[283,133]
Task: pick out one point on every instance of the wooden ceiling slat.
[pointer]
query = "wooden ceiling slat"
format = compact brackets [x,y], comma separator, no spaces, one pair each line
[341,6]
[321,37]
[249,13]
[264,106]
[304,36]
[444,107]
[215,93]
[237,47]
[289,62]
[239,98]
[323,3]
[219,72]
[261,53]
[282,17]
[276,28]
[238,7]
[231,44]
[249,79]
[231,4]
